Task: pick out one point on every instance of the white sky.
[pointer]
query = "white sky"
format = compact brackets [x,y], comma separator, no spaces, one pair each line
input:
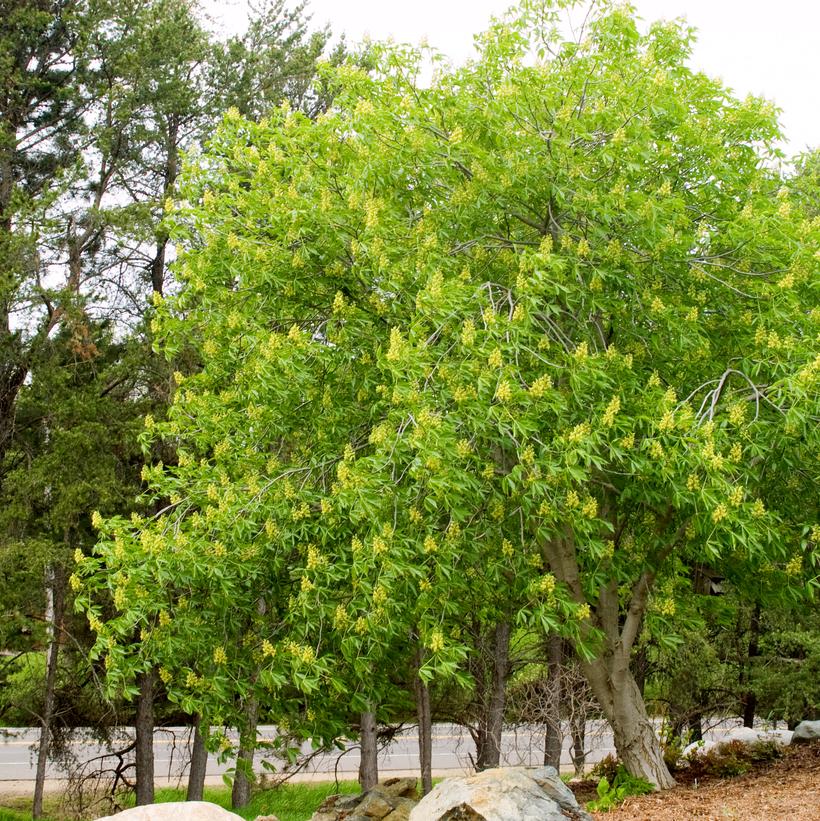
[755,46]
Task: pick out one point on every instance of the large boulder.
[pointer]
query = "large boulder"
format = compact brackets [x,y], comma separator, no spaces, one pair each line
[502,794]
[806,731]
[390,801]
[175,811]
[745,735]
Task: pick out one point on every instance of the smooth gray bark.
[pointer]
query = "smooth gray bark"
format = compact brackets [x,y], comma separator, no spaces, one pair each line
[491,721]
[241,791]
[368,763]
[553,737]
[144,728]
[198,766]
[425,721]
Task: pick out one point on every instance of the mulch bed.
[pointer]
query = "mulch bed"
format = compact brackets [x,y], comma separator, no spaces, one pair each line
[785,788]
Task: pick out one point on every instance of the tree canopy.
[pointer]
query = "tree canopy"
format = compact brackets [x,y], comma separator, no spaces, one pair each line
[542,333]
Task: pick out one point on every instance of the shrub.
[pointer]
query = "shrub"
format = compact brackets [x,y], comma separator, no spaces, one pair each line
[733,758]
[612,793]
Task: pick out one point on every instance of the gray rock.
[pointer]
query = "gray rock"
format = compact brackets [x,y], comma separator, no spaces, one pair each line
[175,811]
[375,804]
[405,787]
[403,808]
[502,794]
[806,731]
[745,735]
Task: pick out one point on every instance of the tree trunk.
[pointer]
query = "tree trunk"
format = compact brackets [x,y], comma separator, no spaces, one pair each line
[54,612]
[696,728]
[241,791]
[553,737]
[491,722]
[749,697]
[144,729]
[620,699]
[578,730]
[425,722]
[199,763]
[368,763]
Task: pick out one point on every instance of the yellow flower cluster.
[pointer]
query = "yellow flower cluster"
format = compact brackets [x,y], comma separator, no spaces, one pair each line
[589,508]
[628,441]
[468,333]
[540,386]
[430,545]
[436,642]
[495,360]
[301,652]
[758,509]
[579,432]
[379,546]
[503,392]
[314,558]
[737,413]
[656,449]
[497,510]
[611,411]
[507,549]
[300,512]
[794,566]
[396,347]
[192,680]
[220,656]
[546,584]
[720,513]
[464,448]
[341,618]
[736,496]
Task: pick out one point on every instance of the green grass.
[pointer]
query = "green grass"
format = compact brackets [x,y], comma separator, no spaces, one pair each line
[291,802]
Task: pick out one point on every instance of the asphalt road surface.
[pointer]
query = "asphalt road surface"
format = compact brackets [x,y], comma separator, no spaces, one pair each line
[453,752]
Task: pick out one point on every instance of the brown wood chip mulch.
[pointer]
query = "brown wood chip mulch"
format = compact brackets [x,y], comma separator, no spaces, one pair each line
[788,788]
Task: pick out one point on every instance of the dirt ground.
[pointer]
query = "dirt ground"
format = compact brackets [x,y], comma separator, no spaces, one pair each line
[788,788]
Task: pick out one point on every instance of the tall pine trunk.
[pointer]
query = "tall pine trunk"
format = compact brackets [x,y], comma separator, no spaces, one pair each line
[54,614]
[144,729]
[199,763]
[369,762]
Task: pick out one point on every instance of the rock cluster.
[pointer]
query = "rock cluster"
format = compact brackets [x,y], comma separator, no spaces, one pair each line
[390,801]
[806,731]
[502,794]
[744,735]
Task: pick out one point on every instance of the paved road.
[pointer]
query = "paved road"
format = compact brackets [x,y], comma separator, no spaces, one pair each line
[452,752]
